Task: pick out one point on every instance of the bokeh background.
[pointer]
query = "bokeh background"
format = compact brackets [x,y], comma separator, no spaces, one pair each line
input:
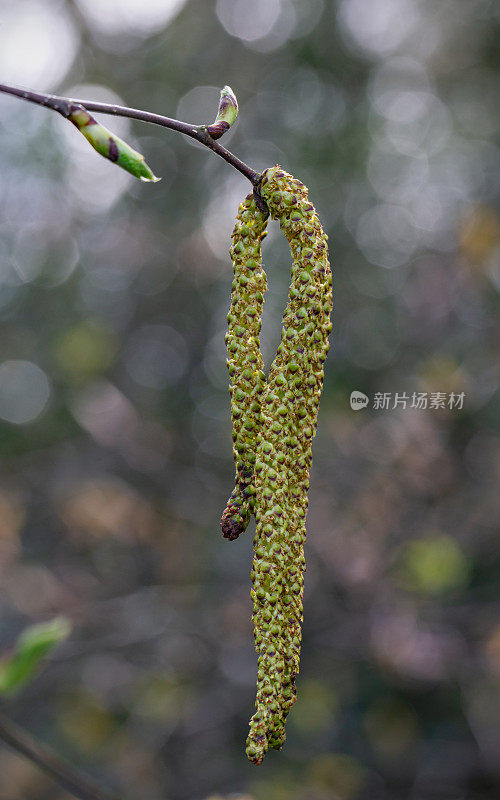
[114,413]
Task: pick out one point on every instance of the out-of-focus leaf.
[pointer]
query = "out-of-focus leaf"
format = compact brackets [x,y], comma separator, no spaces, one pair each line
[316,707]
[436,564]
[88,348]
[339,774]
[33,645]
[86,723]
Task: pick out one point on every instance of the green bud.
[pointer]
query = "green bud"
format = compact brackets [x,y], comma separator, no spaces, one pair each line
[110,146]
[226,113]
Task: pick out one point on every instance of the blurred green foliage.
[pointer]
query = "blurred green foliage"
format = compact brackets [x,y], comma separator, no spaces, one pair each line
[436,564]
[31,647]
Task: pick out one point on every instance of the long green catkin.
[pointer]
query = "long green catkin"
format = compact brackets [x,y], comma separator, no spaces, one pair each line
[274,422]
[288,424]
[245,364]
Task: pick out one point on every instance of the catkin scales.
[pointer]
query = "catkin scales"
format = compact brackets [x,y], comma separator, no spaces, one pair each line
[274,422]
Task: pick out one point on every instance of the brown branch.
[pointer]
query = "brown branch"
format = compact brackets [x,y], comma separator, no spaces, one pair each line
[66,776]
[199,132]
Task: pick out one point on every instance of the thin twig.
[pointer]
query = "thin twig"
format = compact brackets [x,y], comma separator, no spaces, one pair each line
[66,776]
[199,132]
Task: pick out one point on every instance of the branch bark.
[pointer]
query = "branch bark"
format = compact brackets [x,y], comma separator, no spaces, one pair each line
[201,133]
[43,757]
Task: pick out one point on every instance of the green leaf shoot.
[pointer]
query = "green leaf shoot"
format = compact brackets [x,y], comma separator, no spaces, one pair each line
[110,146]
[34,643]
[226,113]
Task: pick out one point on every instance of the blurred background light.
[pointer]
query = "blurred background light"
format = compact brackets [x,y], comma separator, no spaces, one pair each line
[126,16]
[249,22]
[31,34]
[24,391]
[378,26]
[387,236]
[155,356]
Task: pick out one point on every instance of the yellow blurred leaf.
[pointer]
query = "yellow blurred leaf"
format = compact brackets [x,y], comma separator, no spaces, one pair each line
[12,515]
[391,726]
[435,564]
[87,725]
[342,775]
[479,234]
[163,698]
[315,708]
[86,349]
[108,507]
[442,374]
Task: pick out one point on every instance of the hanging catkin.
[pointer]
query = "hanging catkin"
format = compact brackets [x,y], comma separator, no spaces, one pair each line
[247,379]
[284,409]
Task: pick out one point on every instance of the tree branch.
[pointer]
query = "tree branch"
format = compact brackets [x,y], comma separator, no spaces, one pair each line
[201,133]
[66,776]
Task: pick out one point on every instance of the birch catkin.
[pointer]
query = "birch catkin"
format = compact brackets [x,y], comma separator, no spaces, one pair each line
[245,364]
[284,417]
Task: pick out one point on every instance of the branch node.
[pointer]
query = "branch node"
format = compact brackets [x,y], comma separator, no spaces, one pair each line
[259,200]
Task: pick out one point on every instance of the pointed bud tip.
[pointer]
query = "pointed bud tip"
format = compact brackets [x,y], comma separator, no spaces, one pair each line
[153,179]
[226,91]
[110,146]
[228,106]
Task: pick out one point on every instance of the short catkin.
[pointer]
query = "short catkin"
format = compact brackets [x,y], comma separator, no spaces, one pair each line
[284,416]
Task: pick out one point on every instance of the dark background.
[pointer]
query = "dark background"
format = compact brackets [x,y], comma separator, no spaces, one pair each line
[114,413]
